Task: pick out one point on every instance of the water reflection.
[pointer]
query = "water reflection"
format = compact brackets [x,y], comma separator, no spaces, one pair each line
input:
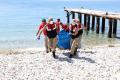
[92,39]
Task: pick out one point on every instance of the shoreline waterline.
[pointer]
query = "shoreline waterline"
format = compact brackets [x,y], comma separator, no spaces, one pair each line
[42,49]
[89,39]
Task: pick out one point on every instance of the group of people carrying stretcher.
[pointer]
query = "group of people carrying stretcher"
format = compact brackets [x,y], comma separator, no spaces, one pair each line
[51,29]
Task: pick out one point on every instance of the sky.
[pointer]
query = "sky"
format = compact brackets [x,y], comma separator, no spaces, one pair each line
[8,7]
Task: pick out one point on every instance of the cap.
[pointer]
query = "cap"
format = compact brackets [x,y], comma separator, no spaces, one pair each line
[43,20]
[51,22]
[73,23]
[58,19]
[51,19]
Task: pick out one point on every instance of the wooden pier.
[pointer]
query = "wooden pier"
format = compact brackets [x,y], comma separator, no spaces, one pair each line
[95,18]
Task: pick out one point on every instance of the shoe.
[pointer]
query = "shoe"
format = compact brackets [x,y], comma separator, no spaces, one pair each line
[47,51]
[50,49]
[54,54]
[70,56]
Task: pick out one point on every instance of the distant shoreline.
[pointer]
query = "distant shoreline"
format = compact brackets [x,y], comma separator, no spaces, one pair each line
[37,49]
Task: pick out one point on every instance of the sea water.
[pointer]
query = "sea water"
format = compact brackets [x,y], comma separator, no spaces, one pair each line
[20,19]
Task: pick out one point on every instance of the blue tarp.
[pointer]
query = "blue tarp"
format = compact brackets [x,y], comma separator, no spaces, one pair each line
[64,40]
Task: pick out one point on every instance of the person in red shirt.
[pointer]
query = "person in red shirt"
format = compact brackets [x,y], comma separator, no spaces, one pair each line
[64,27]
[58,25]
[51,29]
[76,34]
[44,33]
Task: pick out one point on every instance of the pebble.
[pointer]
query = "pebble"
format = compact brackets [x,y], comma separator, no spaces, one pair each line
[97,63]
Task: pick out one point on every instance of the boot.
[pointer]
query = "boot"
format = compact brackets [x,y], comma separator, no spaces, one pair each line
[54,54]
[71,56]
[47,51]
[50,49]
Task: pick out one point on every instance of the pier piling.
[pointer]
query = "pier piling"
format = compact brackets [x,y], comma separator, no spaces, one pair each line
[114,27]
[103,25]
[93,23]
[97,24]
[73,15]
[68,17]
[110,28]
[88,22]
[85,20]
[80,17]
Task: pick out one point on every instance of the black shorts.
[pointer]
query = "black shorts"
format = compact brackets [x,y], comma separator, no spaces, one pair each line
[52,34]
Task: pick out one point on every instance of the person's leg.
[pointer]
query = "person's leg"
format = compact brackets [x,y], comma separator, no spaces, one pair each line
[71,42]
[54,43]
[49,43]
[74,47]
[46,44]
[78,41]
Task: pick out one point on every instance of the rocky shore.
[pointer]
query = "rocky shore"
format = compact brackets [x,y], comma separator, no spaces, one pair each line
[95,63]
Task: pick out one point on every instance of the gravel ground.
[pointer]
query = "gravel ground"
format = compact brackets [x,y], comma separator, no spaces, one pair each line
[96,63]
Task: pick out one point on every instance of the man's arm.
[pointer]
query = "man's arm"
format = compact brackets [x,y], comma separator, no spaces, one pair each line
[37,32]
[41,30]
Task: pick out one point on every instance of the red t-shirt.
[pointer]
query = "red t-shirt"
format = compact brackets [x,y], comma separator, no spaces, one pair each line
[50,26]
[74,27]
[65,27]
[41,26]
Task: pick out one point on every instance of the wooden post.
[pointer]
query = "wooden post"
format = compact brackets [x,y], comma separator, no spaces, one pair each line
[73,15]
[93,22]
[80,17]
[103,25]
[85,20]
[110,28]
[97,24]
[115,27]
[68,17]
[88,22]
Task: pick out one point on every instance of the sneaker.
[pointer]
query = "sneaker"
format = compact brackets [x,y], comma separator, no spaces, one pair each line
[54,54]
[47,51]
[50,49]
[70,56]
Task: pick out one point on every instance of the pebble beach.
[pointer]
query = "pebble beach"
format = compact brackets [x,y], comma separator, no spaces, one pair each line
[94,63]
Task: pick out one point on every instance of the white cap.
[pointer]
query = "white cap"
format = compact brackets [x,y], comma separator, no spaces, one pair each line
[51,22]
[73,23]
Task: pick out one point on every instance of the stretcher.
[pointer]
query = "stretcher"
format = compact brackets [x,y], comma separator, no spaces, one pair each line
[63,40]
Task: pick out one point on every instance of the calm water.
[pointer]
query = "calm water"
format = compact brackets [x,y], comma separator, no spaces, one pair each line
[19,20]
